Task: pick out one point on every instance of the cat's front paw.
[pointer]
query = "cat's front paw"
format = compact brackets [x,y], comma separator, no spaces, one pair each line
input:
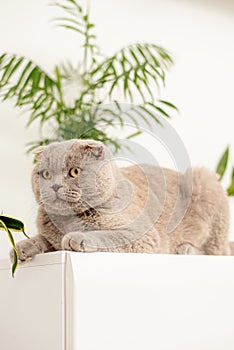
[78,242]
[26,250]
[188,249]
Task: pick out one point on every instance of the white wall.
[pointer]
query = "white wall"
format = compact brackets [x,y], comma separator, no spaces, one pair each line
[201,83]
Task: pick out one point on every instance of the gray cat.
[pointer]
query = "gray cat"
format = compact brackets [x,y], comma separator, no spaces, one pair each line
[86,204]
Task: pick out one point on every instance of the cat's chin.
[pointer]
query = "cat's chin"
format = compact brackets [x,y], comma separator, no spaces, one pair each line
[59,207]
[65,207]
[67,198]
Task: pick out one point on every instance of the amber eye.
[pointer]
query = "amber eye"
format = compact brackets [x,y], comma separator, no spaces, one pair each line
[74,172]
[46,174]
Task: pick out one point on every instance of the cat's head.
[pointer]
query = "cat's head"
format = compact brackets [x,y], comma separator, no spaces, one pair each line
[73,176]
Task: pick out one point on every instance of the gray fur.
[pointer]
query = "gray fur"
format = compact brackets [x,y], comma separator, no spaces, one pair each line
[140,208]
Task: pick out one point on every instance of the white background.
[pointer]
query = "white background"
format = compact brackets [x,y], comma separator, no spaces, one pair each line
[199,34]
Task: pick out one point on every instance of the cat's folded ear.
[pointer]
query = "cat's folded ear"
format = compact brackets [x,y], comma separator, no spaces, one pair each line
[91,148]
[38,152]
[95,150]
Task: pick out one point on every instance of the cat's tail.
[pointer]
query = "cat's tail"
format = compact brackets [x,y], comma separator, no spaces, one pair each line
[232,247]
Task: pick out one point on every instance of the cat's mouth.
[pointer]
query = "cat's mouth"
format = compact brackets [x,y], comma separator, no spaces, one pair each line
[61,198]
[67,197]
[57,200]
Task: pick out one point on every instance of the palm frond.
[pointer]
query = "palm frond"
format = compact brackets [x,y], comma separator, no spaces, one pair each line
[138,72]
[136,67]
[30,87]
[77,19]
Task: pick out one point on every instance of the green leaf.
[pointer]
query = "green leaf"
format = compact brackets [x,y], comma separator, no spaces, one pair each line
[11,71]
[134,120]
[169,104]
[134,56]
[141,50]
[146,84]
[67,26]
[29,79]
[139,132]
[138,86]
[2,58]
[66,19]
[230,190]
[7,69]
[114,84]
[39,101]
[159,109]
[9,223]
[151,114]
[152,57]
[26,69]
[13,224]
[110,112]
[139,110]
[36,79]
[222,165]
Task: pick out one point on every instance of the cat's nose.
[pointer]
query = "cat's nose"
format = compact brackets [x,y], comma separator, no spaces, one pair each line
[56,187]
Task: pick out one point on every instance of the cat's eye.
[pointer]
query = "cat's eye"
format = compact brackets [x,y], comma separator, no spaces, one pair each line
[74,172]
[46,174]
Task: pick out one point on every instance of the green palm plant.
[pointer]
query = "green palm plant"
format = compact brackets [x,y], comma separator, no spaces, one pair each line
[9,224]
[136,72]
[221,169]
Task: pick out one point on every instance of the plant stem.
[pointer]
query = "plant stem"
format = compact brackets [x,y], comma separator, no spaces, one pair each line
[58,79]
[86,37]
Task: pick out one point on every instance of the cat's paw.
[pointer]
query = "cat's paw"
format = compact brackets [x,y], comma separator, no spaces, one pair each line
[78,242]
[188,249]
[26,250]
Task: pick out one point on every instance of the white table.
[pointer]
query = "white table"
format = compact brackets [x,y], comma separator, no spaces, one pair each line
[104,301]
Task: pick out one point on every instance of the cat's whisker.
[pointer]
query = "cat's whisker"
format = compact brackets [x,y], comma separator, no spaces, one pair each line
[44,200]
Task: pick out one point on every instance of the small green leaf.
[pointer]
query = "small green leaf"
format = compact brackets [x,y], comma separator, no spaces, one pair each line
[63,25]
[2,57]
[13,69]
[134,56]
[151,114]
[114,84]
[159,109]
[230,190]
[27,67]
[152,56]
[36,79]
[169,104]
[15,262]
[71,20]
[222,165]
[139,132]
[141,51]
